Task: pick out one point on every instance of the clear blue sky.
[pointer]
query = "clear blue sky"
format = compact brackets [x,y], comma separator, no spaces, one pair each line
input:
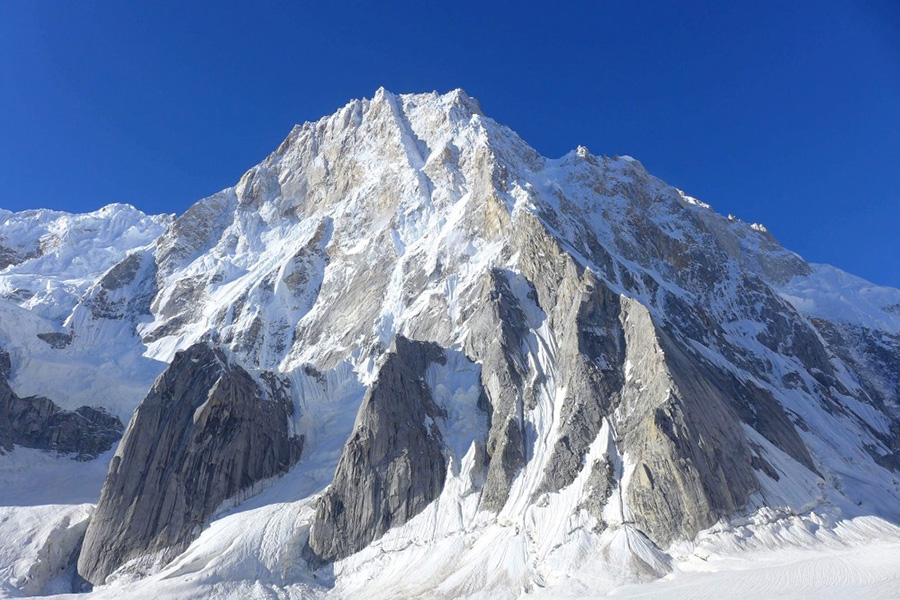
[785,113]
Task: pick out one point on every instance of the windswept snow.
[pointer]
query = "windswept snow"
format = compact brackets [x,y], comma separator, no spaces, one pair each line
[832,294]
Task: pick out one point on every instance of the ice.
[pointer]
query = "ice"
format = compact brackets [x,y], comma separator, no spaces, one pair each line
[69,252]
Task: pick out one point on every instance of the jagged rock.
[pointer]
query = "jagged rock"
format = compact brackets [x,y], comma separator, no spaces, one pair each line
[56,339]
[599,487]
[584,314]
[37,422]
[8,256]
[86,432]
[5,365]
[392,466]
[126,291]
[641,358]
[205,432]
[496,339]
[6,432]
[875,356]
[691,462]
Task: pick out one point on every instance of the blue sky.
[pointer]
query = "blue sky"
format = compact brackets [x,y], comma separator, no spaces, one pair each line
[780,112]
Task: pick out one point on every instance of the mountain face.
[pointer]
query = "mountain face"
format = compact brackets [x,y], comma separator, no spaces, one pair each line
[406,339]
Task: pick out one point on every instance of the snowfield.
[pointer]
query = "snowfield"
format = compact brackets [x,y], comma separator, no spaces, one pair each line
[253,552]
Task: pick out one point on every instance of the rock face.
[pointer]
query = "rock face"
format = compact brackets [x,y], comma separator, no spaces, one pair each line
[392,466]
[497,339]
[680,485]
[205,432]
[5,365]
[37,422]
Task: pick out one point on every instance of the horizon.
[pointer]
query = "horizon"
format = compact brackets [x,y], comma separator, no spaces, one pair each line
[778,115]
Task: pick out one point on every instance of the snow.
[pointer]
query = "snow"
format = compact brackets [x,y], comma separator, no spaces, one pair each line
[110,372]
[456,387]
[832,294]
[41,525]
[866,569]
[73,250]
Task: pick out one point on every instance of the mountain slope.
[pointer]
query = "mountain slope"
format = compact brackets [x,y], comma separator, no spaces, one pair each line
[556,367]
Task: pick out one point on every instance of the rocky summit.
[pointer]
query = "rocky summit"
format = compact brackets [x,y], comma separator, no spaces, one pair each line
[406,355]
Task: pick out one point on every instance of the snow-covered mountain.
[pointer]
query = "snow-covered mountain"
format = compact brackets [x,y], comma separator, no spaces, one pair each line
[406,355]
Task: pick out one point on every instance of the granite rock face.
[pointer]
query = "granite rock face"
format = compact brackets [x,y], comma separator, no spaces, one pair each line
[392,466]
[692,464]
[5,365]
[205,432]
[496,338]
[85,433]
[597,310]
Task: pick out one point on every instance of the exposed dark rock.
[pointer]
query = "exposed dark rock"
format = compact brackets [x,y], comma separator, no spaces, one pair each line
[392,466]
[6,433]
[86,432]
[595,299]
[599,487]
[760,410]
[8,256]
[591,359]
[127,290]
[37,422]
[122,274]
[874,357]
[677,425]
[56,339]
[13,256]
[506,452]
[205,432]
[5,365]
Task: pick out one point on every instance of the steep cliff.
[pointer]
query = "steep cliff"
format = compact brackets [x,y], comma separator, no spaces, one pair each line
[205,432]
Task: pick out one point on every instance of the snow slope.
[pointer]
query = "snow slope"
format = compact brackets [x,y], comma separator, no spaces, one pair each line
[45,502]
[59,255]
[832,294]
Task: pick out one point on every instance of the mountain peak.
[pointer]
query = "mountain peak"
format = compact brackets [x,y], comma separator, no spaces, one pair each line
[463,350]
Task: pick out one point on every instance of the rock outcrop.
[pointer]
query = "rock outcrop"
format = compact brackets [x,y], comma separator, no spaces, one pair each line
[37,422]
[205,432]
[497,338]
[392,466]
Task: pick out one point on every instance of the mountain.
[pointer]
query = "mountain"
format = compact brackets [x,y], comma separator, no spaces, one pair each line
[407,355]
